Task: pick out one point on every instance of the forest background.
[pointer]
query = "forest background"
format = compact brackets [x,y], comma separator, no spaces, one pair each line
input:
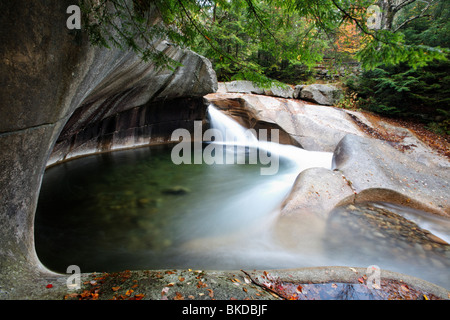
[390,56]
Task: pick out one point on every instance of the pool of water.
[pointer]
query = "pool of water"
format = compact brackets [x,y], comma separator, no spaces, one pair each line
[136,209]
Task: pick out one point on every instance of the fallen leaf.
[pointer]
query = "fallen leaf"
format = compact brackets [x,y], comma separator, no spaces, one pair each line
[334,285]
[181,279]
[178,296]
[115,288]
[191,297]
[129,292]
[211,293]
[299,288]
[404,287]
[49,286]
[361,280]
[354,270]
[247,281]
[425,297]
[139,296]
[134,286]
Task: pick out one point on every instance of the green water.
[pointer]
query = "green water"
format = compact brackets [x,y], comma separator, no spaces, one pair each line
[135,209]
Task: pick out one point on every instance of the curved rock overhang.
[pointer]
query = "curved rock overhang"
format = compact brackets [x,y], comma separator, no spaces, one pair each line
[62,96]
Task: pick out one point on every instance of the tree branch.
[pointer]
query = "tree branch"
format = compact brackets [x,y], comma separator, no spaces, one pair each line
[402,5]
[221,52]
[420,15]
[258,18]
[357,22]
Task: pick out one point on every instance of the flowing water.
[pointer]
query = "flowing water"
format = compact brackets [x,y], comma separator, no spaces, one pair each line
[136,209]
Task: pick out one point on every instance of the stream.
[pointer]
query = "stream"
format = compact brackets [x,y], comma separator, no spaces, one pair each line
[137,209]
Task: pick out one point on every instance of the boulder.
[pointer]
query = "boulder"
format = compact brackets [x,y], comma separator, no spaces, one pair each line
[378,172]
[297,90]
[242,86]
[282,92]
[316,191]
[245,86]
[323,94]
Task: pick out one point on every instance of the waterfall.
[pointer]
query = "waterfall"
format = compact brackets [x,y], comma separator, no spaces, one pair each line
[233,134]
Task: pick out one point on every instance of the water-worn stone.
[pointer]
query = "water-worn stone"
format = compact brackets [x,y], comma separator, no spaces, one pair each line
[378,172]
[315,128]
[316,191]
[48,74]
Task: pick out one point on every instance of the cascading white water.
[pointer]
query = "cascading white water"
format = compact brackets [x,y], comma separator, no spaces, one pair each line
[225,217]
[306,240]
[235,134]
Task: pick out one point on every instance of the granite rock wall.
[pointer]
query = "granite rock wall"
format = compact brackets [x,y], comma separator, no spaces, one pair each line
[59,91]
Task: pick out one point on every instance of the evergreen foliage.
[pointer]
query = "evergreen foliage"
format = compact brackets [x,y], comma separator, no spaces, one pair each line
[405,63]
[421,93]
[248,38]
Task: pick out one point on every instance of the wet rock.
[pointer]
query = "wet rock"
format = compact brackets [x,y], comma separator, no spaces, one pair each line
[365,223]
[176,190]
[314,192]
[316,128]
[436,239]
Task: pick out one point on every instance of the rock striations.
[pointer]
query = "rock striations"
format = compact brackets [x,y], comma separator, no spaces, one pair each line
[59,91]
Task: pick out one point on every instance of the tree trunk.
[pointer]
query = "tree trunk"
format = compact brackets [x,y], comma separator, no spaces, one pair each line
[387,14]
